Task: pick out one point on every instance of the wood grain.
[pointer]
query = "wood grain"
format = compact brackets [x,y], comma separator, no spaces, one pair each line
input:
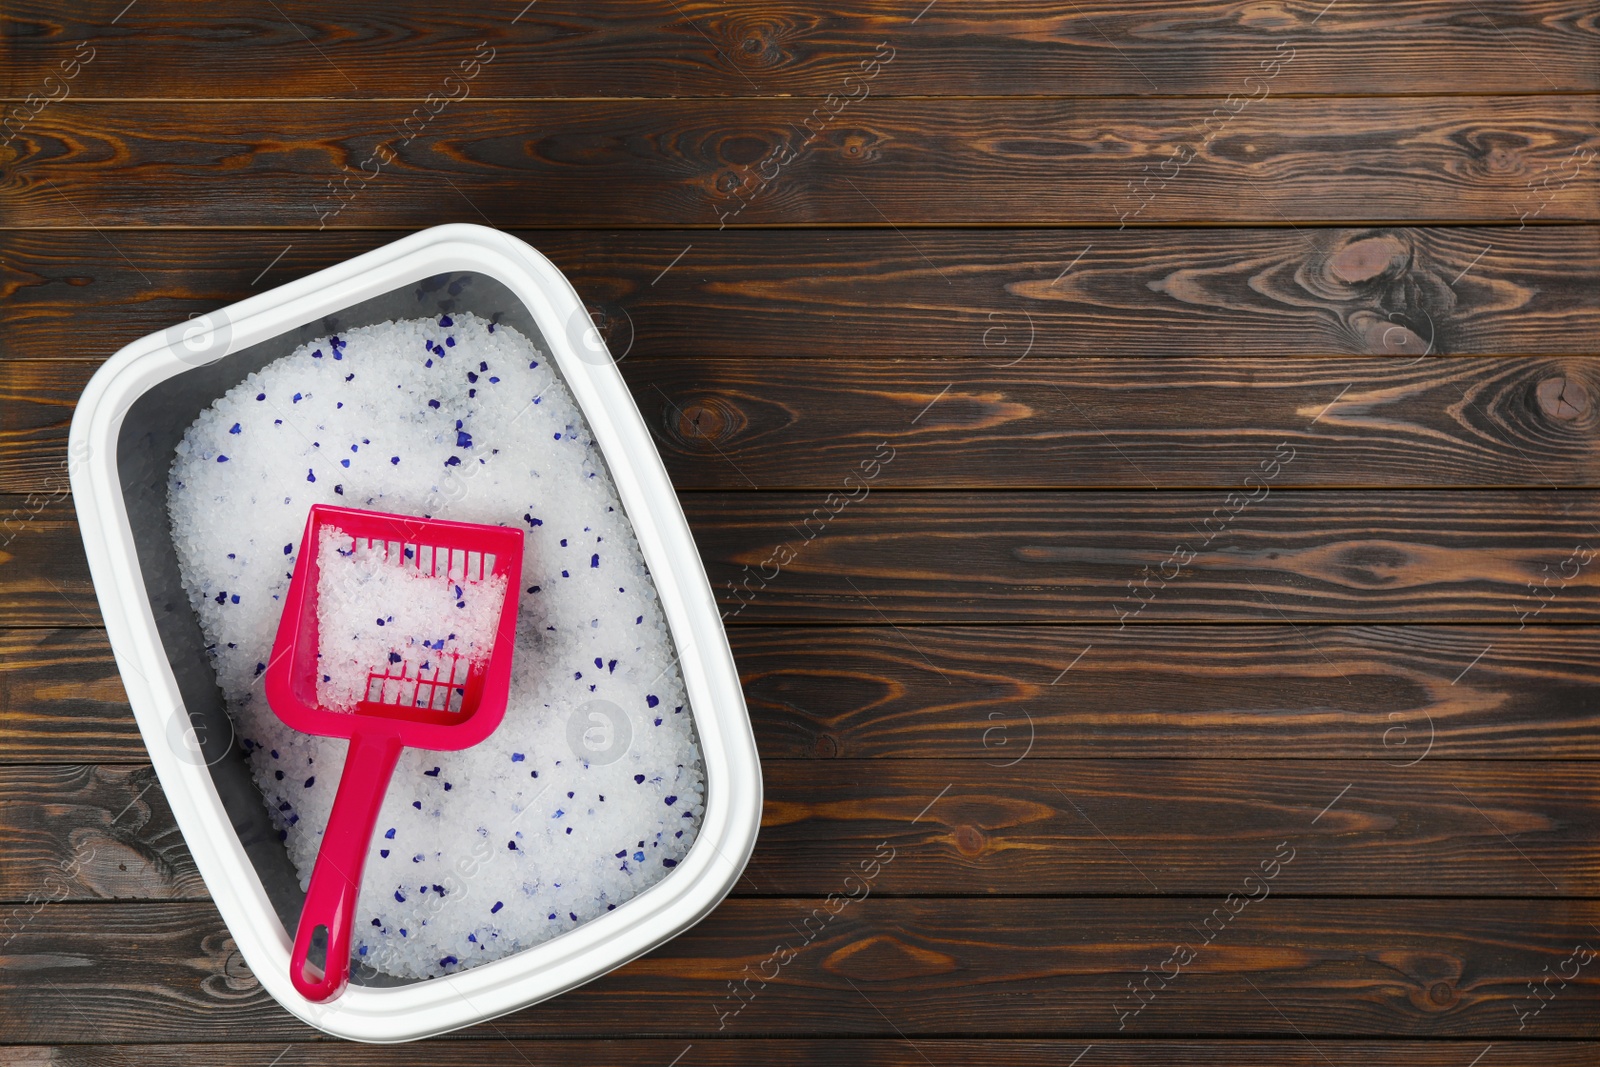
[1391,693]
[796,424]
[1176,692]
[987,297]
[1142,827]
[890,162]
[834,1052]
[44,577]
[1299,556]
[1139,557]
[91,832]
[61,699]
[961,47]
[157,972]
[960,828]
[724,424]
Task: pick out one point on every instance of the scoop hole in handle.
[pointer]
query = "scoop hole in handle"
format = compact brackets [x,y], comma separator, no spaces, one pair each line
[309,969]
[315,966]
[320,964]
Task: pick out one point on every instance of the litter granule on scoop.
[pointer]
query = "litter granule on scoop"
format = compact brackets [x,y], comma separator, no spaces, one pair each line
[392,618]
[592,788]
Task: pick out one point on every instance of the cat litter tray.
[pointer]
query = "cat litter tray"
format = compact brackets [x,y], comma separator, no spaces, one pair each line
[128,422]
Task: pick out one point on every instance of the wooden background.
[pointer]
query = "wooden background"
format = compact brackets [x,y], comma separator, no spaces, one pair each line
[1081,316]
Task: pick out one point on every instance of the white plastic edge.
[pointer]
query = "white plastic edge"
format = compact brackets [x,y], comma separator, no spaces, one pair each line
[733,775]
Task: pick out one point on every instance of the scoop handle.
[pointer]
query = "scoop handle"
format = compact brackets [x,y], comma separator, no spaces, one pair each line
[336,879]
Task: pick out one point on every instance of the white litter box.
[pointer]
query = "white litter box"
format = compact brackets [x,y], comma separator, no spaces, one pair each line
[132,415]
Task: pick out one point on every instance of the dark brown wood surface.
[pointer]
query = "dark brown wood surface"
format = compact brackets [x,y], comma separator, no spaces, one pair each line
[968,297]
[1145,556]
[158,971]
[620,48]
[599,164]
[1238,366]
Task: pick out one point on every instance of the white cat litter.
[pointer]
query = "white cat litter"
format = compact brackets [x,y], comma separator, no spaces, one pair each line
[592,788]
[377,614]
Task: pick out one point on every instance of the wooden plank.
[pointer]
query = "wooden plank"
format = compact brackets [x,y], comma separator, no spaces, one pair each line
[1139,827]
[1173,692]
[959,47]
[1204,422]
[1129,558]
[742,163]
[61,699]
[1184,692]
[44,577]
[1141,557]
[84,832]
[1392,968]
[794,424]
[959,827]
[835,1052]
[37,400]
[1048,424]
[987,297]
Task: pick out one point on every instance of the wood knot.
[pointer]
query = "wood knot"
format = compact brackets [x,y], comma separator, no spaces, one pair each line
[970,840]
[230,978]
[704,423]
[758,42]
[855,146]
[1389,335]
[1370,258]
[1267,17]
[700,419]
[1433,981]
[1563,398]
[1373,564]
[1502,154]
[826,746]
[762,48]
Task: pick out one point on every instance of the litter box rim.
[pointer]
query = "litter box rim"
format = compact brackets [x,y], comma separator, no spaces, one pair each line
[727,744]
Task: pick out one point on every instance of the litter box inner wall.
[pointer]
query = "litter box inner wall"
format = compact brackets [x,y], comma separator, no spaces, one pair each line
[150,433]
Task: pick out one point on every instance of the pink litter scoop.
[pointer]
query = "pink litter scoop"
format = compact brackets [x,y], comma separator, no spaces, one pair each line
[454,704]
